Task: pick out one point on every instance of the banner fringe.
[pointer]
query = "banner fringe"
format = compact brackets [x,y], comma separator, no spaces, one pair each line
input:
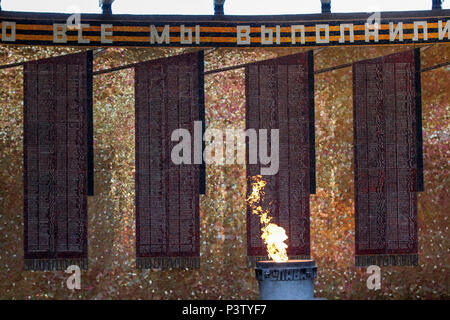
[385,260]
[164,263]
[54,264]
[251,260]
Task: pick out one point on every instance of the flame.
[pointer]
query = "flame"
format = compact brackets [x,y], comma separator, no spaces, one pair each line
[273,235]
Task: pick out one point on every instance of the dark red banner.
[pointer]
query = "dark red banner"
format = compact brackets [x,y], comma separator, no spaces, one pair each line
[169,96]
[388,158]
[57,160]
[280,95]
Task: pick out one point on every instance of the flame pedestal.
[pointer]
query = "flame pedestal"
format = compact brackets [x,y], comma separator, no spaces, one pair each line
[291,280]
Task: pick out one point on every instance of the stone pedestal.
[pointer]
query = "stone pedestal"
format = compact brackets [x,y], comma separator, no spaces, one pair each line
[291,280]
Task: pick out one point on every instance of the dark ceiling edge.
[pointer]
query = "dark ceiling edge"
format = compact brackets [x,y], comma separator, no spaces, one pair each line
[227,18]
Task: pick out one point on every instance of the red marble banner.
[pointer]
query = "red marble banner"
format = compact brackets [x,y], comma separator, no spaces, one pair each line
[169,96]
[388,158]
[280,95]
[57,160]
